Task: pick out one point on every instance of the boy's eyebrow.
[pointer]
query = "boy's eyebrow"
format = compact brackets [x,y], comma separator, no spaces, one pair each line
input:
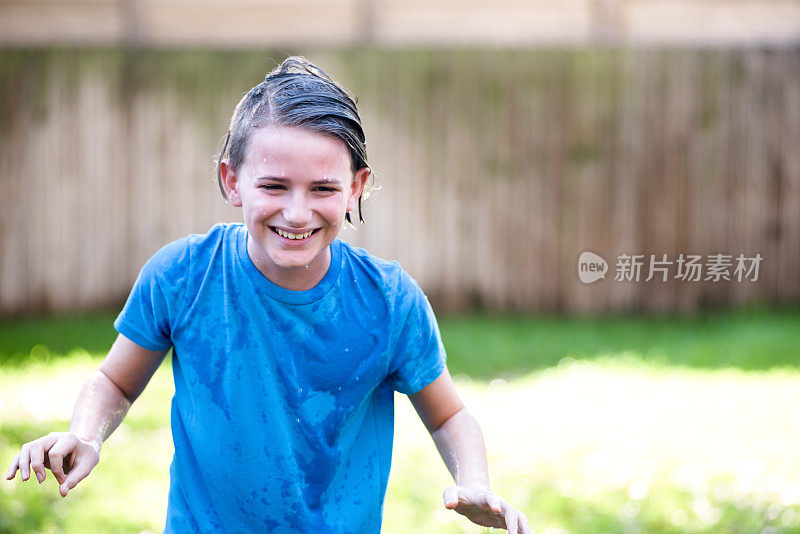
[283,179]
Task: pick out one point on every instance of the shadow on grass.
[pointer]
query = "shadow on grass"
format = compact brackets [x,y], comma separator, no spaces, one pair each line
[486,347]
[490,346]
[23,340]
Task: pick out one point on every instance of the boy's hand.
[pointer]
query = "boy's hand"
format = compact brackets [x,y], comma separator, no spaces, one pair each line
[485,508]
[69,457]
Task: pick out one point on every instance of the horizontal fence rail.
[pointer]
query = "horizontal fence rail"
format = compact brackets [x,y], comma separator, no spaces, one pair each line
[496,171]
[279,23]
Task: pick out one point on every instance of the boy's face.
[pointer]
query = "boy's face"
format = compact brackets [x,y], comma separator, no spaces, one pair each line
[294,187]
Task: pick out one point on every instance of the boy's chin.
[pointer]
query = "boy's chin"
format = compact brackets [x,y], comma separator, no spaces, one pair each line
[296,261]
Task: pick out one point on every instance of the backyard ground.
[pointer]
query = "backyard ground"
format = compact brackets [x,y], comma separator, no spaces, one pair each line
[592,425]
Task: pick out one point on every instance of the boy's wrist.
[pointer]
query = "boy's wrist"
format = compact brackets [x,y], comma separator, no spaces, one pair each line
[474,484]
[94,442]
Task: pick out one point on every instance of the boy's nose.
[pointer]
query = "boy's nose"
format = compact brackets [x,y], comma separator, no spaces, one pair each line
[297,211]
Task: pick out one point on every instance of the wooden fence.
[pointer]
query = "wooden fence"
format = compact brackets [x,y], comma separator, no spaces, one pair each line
[280,23]
[497,169]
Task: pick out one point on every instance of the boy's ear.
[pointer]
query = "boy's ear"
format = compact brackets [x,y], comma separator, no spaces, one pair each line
[357,187]
[230,183]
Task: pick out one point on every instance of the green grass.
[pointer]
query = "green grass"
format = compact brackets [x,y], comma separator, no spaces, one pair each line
[487,346]
[23,341]
[617,424]
[747,339]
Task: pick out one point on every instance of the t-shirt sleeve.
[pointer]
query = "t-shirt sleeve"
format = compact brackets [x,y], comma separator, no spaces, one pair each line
[419,356]
[154,303]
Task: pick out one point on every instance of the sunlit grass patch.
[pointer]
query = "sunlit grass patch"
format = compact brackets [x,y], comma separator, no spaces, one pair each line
[618,445]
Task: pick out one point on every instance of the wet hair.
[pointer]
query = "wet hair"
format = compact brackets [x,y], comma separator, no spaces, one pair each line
[296,93]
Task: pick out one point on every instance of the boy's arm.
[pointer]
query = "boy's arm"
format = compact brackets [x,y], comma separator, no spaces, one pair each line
[459,441]
[101,406]
[108,394]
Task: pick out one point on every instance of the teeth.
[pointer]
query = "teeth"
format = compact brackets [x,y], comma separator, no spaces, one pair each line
[289,235]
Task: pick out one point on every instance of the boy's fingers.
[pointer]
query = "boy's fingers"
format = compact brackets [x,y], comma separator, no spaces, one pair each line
[514,518]
[494,502]
[31,457]
[512,522]
[524,527]
[37,461]
[12,469]
[76,474]
[450,496]
[47,443]
[56,455]
[24,462]
[62,446]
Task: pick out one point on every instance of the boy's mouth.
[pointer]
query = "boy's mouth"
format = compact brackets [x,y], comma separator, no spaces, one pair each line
[293,236]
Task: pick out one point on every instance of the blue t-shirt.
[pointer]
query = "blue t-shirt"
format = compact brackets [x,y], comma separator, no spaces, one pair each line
[283,414]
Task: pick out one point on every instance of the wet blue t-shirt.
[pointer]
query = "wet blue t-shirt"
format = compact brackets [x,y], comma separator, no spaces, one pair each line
[283,412]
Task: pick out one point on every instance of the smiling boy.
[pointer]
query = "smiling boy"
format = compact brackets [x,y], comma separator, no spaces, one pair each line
[288,344]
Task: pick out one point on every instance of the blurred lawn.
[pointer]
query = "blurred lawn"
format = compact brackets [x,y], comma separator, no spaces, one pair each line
[491,346]
[592,425]
[752,339]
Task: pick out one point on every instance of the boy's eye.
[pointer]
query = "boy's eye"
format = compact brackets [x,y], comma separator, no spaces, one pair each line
[281,187]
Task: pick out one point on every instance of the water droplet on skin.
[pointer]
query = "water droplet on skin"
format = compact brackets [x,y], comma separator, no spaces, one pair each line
[265,160]
[306,266]
[283,173]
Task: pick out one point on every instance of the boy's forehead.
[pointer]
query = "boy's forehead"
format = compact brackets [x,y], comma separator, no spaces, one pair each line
[294,147]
